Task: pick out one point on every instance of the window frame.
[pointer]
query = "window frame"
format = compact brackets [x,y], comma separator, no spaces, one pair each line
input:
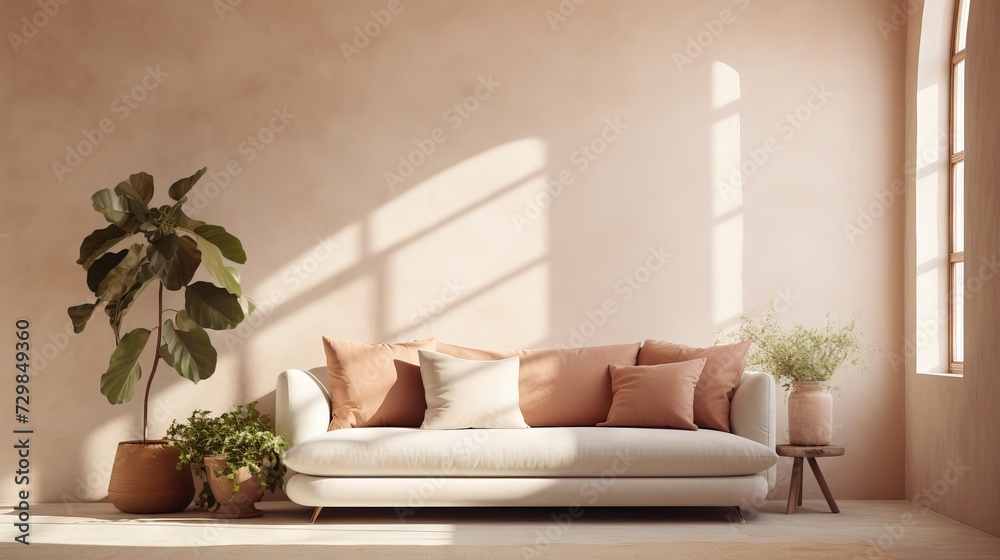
[956,158]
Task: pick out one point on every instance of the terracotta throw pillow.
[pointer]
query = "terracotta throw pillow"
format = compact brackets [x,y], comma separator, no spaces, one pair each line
[560,387]
[718,381]
[375,384]
[660,396]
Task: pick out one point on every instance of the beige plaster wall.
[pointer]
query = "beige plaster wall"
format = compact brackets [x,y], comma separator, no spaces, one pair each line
[585,190]
[952,421]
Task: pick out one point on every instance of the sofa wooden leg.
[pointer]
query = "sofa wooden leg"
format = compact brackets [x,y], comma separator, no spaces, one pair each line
[315,514]
[739,513]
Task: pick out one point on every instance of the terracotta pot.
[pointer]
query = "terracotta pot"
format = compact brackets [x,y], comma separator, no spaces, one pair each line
[810,413]
[240,505]
[145,478]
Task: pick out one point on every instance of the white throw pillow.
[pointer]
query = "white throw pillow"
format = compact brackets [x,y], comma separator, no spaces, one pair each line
[470,393]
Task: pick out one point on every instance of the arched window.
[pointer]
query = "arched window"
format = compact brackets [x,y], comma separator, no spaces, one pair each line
[957,198]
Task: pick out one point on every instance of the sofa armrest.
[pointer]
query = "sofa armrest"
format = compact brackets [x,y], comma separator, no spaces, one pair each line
[302,405]
[752,414]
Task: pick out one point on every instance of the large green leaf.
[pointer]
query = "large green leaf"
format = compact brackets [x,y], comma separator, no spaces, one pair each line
[80,314]
[99,270]
[166,248]
[118,383]
[182,186]
[95,244]
[248,305]
[227,276]
[117,310]
[123,275]
[117,209]
[189,347]
[175,260]
[183,221]
[212,307]
[228,244]
[138,188]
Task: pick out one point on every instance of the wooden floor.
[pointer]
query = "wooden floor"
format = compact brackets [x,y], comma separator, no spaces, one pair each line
[899,526]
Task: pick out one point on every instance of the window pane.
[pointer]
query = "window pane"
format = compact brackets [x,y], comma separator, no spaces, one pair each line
[963,24]
[958,312]
[958,101]
[958,208]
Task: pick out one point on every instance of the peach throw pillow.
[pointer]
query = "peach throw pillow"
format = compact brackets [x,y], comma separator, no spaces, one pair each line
[375,384]
[560,387]
[718,381]
[659,396]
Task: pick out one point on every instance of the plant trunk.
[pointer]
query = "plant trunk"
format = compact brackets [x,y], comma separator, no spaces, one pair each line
[156,360]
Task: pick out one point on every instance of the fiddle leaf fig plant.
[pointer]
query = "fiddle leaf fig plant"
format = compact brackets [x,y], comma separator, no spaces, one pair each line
[164,247]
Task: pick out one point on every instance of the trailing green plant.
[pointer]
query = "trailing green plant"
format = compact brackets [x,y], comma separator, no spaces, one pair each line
[800,353]
[167,248]
[242,436]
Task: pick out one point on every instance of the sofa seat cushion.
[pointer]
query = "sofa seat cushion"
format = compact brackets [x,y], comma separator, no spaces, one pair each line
[537,452]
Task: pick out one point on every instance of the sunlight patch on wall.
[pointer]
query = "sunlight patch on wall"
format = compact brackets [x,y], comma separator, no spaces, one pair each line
[455,190]
[930,230]
[727,203]
[929,133]
[328,257]
[473,254]
[518,303]
[97,457]
[348,310]
[932,297]
[725,86]
[929,345]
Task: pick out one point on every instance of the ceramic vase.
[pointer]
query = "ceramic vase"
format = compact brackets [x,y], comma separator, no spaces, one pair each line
[242,503]
[810,413]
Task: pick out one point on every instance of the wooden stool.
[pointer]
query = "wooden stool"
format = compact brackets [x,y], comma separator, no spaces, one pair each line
[811,452]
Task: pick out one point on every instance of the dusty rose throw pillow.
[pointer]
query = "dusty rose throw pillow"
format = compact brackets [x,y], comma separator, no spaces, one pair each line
[660,396]
[375,384]
[719,379]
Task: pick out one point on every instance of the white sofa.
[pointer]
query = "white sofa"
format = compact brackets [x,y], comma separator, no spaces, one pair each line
[409,468]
